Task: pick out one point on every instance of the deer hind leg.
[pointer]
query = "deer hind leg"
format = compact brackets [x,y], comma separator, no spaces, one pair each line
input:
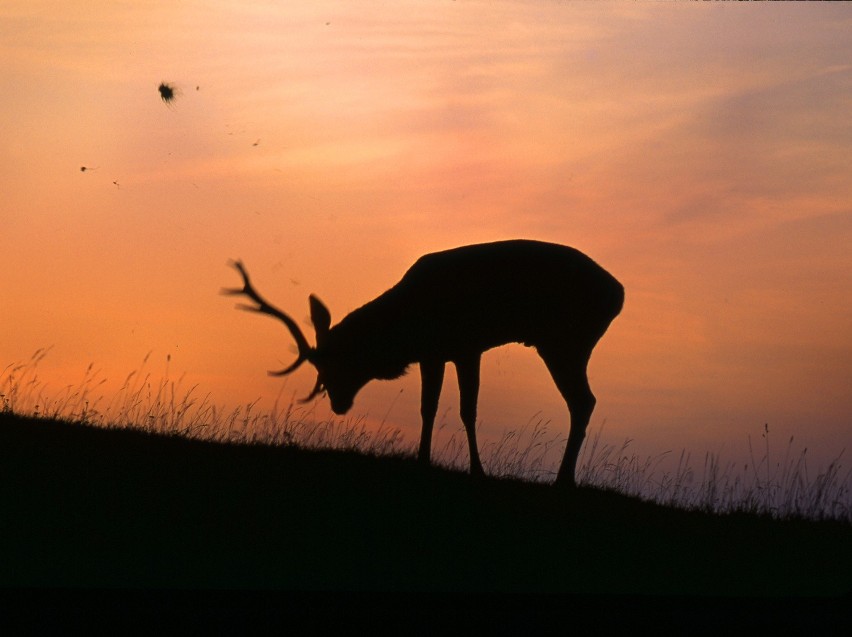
[431,379]
[569,373]
[467,370]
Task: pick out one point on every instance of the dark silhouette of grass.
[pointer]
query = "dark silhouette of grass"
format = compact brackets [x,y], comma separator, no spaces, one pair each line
[778,484]
[89,506]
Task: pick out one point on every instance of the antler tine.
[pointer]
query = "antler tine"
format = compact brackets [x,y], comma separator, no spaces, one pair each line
[289,369]
[263,307]
[318,389]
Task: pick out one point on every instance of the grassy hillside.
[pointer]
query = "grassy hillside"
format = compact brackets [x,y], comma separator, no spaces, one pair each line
[85,506]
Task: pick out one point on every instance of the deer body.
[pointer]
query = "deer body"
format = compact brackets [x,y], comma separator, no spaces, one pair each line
[454,305]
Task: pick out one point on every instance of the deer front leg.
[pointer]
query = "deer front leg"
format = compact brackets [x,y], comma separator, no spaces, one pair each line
[431,379]
[467,370]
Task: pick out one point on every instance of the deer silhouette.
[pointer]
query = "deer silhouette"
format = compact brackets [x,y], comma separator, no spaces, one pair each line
[452,306]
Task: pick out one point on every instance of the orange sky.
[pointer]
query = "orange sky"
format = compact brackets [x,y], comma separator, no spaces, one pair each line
[701,153]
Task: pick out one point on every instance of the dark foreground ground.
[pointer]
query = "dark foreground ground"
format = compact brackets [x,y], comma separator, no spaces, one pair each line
[86,507]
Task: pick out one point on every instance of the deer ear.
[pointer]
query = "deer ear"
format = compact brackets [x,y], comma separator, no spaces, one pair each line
[321,318]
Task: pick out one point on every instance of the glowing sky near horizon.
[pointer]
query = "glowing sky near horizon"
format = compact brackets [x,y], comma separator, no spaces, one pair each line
[700,153]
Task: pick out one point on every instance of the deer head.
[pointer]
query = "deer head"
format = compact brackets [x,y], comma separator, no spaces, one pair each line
[340,382]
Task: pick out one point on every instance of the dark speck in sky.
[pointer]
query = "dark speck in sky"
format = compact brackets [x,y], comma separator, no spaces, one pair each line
[167,92]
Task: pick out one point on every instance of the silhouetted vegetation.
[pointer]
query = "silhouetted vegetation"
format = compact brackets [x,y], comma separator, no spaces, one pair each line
[159,488]
[781,485]
[89,506]
[785,487]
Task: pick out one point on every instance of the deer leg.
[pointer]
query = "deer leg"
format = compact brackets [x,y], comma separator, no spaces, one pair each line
[569,373]
[467,370]
[431,379]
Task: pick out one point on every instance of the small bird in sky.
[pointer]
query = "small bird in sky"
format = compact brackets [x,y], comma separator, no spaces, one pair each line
[167,92]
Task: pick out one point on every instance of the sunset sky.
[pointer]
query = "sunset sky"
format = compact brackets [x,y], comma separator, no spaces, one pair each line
[701,153]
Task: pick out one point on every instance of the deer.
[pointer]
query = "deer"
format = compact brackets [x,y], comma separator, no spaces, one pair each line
[451,307]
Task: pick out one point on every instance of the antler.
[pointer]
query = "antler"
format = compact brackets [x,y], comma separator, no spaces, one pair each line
[263,307]
[318,389]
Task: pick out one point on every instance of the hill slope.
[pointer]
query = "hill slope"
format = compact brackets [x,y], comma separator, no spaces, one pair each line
[81,506]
